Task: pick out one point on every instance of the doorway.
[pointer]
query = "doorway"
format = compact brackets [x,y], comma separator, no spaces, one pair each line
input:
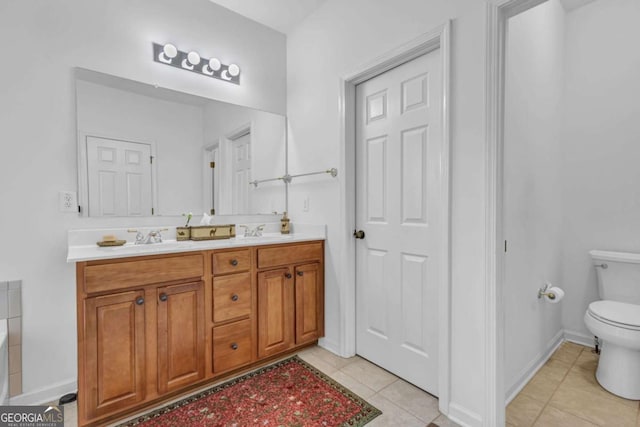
[398,152]
[436,40]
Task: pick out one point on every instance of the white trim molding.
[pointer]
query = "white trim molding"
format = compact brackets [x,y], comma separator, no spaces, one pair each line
[46,394]
[498,12]
[439,38]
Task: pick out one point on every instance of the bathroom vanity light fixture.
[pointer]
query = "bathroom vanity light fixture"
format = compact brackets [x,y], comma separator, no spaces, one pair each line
[192,61]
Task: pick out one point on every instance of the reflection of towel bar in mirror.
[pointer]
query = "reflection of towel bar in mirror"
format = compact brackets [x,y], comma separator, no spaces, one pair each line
[288,178]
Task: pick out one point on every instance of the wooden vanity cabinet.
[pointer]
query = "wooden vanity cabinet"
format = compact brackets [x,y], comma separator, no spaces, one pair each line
[151,327]
[233,329]
[290,296]
[140,331]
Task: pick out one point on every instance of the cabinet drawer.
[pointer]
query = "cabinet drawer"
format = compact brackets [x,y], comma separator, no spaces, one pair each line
[232,345]
[231,261]
[290,254]
[118,275]
[231,297]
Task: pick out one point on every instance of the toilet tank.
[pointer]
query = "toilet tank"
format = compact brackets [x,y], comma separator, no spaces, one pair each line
[618,275]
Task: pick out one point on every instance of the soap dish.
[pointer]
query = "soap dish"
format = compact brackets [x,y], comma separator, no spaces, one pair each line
[111,243]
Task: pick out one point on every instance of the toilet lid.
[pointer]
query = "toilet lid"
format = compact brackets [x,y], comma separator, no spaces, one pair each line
[622,313]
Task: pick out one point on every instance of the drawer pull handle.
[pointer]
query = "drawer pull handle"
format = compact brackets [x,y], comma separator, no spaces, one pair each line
[234,346]
[234,297]
[287,275]
[300,273]
[163,297]
[139,300]
[234,262]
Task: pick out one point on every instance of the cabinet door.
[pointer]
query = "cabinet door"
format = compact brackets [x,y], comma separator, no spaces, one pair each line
[275,311]
[114,349]
[180,335]
[309,308]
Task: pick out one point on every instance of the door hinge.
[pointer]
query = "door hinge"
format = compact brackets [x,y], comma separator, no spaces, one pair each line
[212,211]
[212,165]
[79,209]
[151,159]
[505,246]
[152,211]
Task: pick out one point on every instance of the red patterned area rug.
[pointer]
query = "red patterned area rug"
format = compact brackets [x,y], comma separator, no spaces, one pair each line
[288,393]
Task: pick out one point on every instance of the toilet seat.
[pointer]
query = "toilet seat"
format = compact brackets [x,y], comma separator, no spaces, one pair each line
[615,313]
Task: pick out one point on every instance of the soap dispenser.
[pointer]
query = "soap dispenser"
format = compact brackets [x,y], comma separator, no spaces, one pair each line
[285,226]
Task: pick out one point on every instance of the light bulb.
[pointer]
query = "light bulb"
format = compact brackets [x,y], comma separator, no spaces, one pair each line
[214,64]
[170,51]
[193,58]
[234,70]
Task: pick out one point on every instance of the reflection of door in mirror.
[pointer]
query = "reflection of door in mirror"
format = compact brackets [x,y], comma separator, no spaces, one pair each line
[241,147]
[119,177]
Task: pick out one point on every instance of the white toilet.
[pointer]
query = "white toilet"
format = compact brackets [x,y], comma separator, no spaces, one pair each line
[615,320]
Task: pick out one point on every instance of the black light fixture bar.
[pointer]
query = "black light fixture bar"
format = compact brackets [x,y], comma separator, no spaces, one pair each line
[190,61]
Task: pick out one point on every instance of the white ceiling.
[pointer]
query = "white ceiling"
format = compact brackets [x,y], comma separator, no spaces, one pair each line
[281,15]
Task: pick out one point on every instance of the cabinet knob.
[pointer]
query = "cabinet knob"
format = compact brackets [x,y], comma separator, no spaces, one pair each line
[163,297]
[287,275]
[300,273]
[234,346]
[234,262]
[234,297]
[139,300]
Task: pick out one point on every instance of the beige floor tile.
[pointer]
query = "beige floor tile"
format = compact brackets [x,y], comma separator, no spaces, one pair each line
[523,411]
[443,421]
[319,364]
[412,399]
[567,352]
[555,369]
[588,404]
[542,386]
[369,374]
[352,384]
[552,417]
[392,415]
[587,360]
[586,380]
[334,360]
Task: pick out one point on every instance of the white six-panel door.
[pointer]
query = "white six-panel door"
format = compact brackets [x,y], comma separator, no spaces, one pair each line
[398,187]
[119,177]
[241,170]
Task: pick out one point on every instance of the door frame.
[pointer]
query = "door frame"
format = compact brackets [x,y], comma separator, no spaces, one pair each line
[438,38]
[498,13]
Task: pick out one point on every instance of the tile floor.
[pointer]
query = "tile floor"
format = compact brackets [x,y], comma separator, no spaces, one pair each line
[401,403]
[564,392]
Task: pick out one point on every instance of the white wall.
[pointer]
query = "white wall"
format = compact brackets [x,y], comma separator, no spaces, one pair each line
[338,38]
[175,129]
[532,194]
[601,145]
[41,41]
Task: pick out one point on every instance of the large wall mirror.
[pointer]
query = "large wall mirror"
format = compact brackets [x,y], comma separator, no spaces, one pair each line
[146,151]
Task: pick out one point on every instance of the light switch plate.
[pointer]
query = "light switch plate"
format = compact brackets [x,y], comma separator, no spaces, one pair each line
[68,201]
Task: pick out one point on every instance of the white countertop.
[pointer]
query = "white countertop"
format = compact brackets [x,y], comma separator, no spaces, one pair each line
[82,246]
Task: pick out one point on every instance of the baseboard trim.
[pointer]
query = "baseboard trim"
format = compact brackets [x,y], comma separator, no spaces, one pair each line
[330,345]
[463,416]
[579,338]
[45,395]
[530,370]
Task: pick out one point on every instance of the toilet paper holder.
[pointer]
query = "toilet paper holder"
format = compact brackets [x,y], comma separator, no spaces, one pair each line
[542,292]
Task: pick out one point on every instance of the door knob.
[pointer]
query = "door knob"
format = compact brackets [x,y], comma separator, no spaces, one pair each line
[234,297]
[358,234]
[300,273]
[140,301]
[234,262]
[287,275]
[163,297]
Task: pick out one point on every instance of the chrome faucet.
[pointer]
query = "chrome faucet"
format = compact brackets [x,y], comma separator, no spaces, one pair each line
[153,236]
[252,232]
